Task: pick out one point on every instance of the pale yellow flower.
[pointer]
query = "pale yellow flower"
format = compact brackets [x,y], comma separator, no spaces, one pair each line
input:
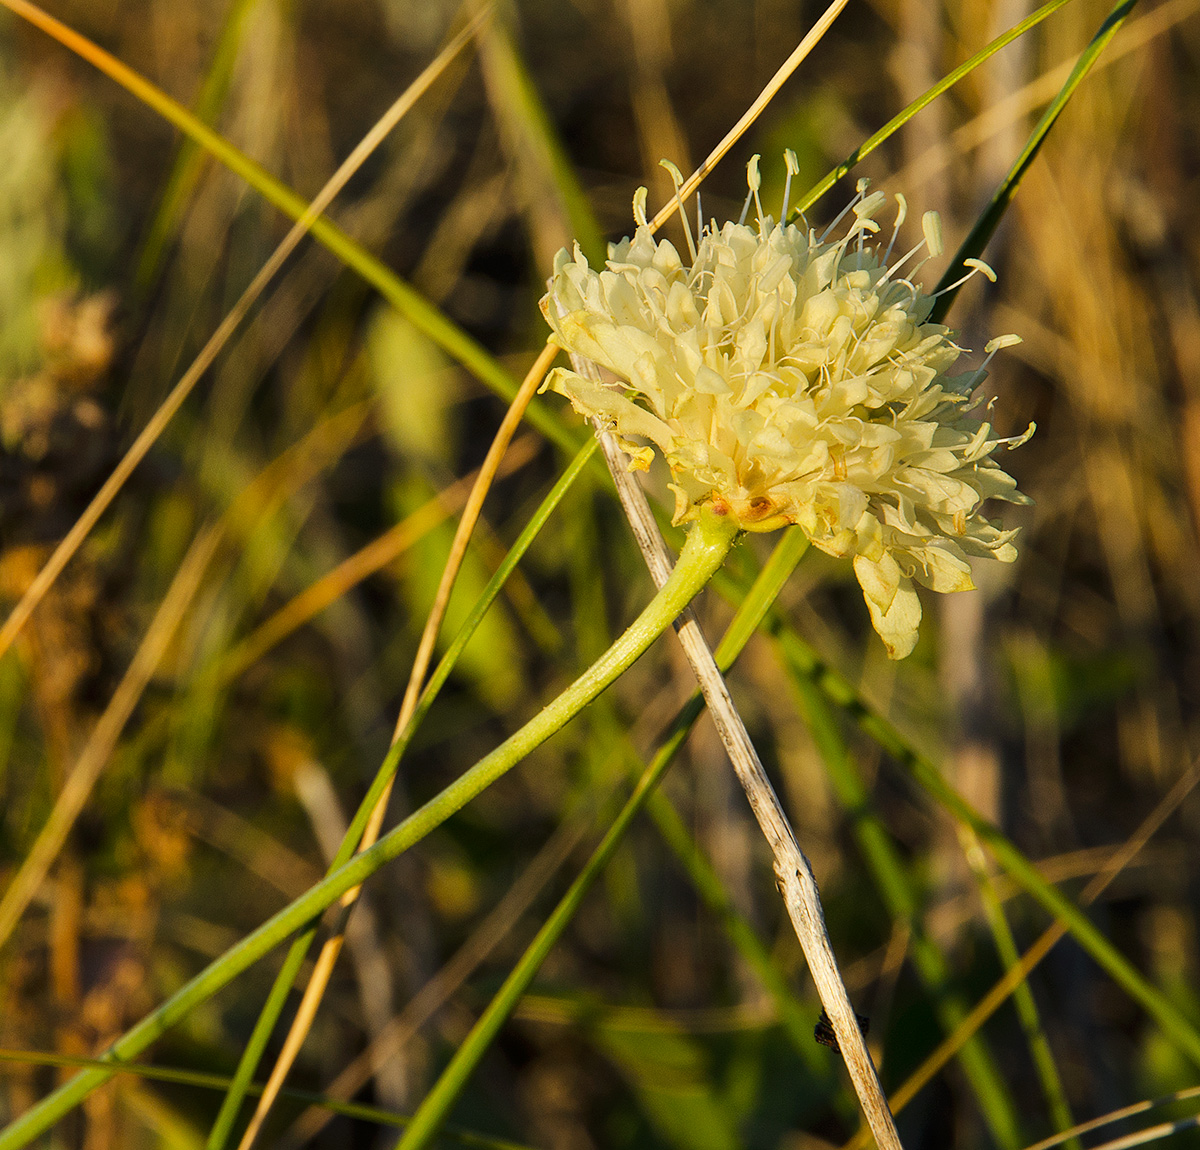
[786,379]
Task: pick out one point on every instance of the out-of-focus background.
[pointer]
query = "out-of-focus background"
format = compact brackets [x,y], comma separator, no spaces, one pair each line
[1060,698]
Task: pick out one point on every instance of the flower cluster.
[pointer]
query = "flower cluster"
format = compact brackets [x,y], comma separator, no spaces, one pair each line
[787,379]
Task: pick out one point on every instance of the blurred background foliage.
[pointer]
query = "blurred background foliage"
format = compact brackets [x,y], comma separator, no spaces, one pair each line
[1059,698]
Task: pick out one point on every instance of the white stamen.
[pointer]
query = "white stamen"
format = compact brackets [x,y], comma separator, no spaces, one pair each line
[755,181]
[858,195]
[977,267]
[793,167]
[931,225]
[677,179]
[993,346]
[639,208]
[901,213]
[1015,441]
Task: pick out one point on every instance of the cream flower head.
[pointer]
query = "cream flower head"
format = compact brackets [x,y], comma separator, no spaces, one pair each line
[787,379]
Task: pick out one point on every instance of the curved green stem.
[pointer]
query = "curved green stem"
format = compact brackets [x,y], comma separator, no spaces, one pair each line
[269,1015]
[437,1103]
[707,544]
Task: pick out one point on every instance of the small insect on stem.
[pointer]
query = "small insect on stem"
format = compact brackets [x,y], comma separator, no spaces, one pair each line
[823,1031]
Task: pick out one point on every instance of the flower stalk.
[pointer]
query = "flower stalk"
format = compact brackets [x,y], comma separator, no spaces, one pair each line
[793,873]
[707,544]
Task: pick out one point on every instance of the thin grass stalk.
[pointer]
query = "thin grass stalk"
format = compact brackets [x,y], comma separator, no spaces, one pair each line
[989,219]
[899,893]
[796,1023]
[503,67]
[991,1002]
[105,734]
[533,145]
[494,928]
[708,544]
[438,1102]
[769,92]
[295,957]
[401,295]
[1027,1010]
[374,556]
[901,118]
[331,948]
[239,1086]
[793,872]
[291,469]
[981,128]
[1151,1134]
[802,660]
[189,159]
[205,1081]
[1115,1116]
[306,219]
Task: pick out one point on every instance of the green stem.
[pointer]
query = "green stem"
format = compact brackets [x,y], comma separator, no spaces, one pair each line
[707,544]
[802,660]
[437,1103]
[989,219]
[269,1015]
[924,100]
[899,891]
[239,1084]
[1023,1000]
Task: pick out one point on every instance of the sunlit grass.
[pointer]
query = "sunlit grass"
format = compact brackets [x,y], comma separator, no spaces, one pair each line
[284,643]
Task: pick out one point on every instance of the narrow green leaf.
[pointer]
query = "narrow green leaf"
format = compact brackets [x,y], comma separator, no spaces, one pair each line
[441,1098]
[803,660]
[206,1081]
[989,219]
[189,160]
[707,544]
[900,895]
[272,1008]
[923,101]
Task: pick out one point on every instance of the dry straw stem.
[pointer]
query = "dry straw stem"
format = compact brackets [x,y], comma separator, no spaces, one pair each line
[1118,1116]
[166,411]
[400,1029]
[1017,974]
[1036,94]
[810,41]
[288,472]
[366,561]
[327,959]
[329,951]
[793,873]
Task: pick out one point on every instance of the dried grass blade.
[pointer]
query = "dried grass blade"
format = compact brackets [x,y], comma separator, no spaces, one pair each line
[167,410]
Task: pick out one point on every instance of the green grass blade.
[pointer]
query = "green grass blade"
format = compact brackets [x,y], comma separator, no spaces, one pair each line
[899,893]
[802,660]
[533,141]
[206,1081]
[449,1085]
[239,1084]
[189,160]
[1027,1011]
[944,84]
[272,1008]
[706,547]
[989,219]
[401,295]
